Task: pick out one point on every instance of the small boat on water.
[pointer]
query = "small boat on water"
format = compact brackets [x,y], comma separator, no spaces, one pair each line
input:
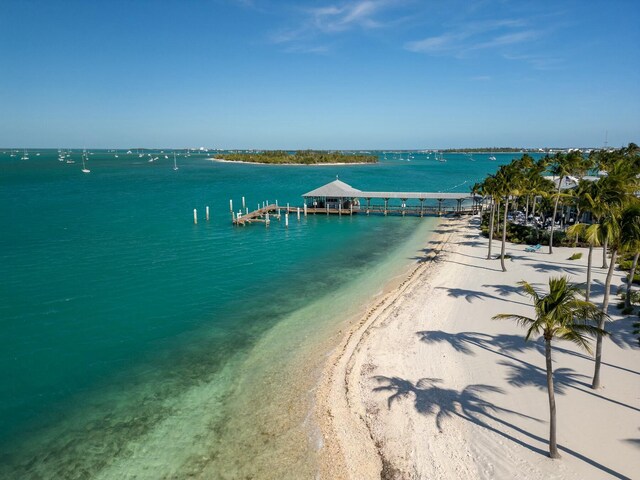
[84,167]
[175,165]
[25,155]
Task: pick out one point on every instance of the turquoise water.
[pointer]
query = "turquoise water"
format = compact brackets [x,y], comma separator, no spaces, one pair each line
[124,325]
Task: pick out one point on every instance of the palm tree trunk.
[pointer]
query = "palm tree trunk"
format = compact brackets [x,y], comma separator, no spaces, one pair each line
[604,253]
[526,212]
[588,292]
[553,219]
[575,242]
[498,212]
[491,220]
[605,304]
[553,447]
[627,300]
[533,209]
[504,234]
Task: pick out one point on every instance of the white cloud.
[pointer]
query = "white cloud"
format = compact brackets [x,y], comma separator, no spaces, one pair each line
[330,20]
[475,36]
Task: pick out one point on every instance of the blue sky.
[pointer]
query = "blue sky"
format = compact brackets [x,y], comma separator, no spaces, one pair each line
[360,74]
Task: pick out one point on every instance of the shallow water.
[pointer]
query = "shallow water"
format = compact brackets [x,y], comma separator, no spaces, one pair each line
[135,343]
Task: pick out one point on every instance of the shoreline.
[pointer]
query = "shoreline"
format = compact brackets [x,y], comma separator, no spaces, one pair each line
[349,450]
[426,385]
[222,160]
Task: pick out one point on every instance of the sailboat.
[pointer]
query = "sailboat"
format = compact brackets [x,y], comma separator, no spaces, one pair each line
[25,155]
[440,157]
[175,165]
[492,157]
[84,167]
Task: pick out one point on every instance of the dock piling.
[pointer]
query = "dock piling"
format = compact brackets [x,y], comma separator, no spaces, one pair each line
[298,211]
[243,205]
[286,220]
[206,212]
[305,209]
[195,216]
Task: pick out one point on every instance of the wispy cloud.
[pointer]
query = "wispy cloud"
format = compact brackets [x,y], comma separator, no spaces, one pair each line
[330,20]
[475,36]
[538,62]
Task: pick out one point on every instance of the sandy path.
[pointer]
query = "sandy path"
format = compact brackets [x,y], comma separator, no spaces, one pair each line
[427,386]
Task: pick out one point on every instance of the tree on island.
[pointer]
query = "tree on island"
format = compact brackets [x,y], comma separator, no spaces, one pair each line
[305,157]
[562,315]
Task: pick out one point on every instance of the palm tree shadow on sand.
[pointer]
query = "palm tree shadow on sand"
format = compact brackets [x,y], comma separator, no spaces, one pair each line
[468,404]
[504,344]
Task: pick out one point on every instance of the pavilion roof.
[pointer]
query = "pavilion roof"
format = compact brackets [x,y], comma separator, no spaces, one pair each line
[337,188]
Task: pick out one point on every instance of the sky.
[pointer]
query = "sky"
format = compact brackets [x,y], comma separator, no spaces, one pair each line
[362,74]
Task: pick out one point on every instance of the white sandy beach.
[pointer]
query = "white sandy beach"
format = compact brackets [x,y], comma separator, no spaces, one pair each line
[426,385]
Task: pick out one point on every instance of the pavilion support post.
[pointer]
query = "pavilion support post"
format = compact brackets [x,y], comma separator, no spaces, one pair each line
[439,206]
[404,205]
[386,200]
[368,205]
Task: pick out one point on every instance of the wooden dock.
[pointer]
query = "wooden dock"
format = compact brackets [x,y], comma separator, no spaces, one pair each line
[267,213]
[339,198]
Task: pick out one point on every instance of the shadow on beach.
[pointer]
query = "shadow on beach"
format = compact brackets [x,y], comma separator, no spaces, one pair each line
[521,373]
[432,399]
[471,295]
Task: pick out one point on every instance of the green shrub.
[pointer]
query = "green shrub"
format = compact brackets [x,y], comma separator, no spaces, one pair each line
[625,265]
[627,310]
[636,278]
[576,256]
[620,305]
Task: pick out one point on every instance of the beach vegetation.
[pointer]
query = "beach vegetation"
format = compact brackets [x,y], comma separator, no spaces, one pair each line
[622,230]
[560,314]
[300,157]
[562,166]
[576,256]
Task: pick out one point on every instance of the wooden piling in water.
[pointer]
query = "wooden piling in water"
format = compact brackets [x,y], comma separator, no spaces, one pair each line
[195,216]
[206,212]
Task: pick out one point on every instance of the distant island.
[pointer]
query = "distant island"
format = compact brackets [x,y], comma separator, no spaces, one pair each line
[301,157]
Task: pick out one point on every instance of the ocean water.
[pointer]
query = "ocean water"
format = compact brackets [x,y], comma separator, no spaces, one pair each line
[135,344]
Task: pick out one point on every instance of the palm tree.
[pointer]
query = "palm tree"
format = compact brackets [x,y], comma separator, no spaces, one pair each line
[623,231]
[564,165]
[507,184]
[631,236]
[593,235]
[559,314]
[489,188]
